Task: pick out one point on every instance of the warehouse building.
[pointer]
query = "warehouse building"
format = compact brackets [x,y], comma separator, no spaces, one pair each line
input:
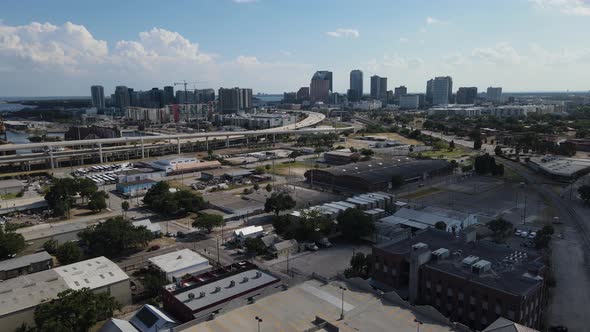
[203,296]
[20,296]
[177,264]
[11,187]
[376,174]
[469,281]
[33,263]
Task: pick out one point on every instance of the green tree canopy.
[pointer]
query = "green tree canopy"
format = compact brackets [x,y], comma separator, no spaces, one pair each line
[501,228]
[584,192]
[441,225]
[114,236]
[279,201]
[254,245]
[74,311]
[161,200]
[354,224]
[10,242]
[69,253]
[98,201]
[208,221]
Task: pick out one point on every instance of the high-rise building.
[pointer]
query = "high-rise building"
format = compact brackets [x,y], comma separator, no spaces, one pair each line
[303,94]
[466,95]
[320,87]
[442,90]
[494,94]
[400,91]
[409,101]
[289,97]
[356,85]
[185,97]
[203,96]
[122,99]
[379,87]
[97,93]
[234,100]
[429,89]
[168,95]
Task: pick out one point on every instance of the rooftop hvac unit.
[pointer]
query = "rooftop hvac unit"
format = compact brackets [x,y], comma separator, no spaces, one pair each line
[481,267]
[245,280]
[217,289]
[201,295]
[469,260]
[258,275]
[440,254]
[191,296]
[419,245]
[232,283]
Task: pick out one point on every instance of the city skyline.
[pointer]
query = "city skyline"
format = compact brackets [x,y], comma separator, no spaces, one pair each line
[50,52]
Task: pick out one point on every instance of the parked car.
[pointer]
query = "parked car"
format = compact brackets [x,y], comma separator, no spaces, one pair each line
[517,232]
[524,234]
[311,247]
[153,248]
[324,242]
[180,234]
[532,235]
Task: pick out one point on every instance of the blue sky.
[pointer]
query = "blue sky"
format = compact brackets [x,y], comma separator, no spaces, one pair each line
[62,47]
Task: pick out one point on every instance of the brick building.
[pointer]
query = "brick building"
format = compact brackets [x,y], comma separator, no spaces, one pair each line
[469,281]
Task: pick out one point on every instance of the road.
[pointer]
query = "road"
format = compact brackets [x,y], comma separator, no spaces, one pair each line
[570,256]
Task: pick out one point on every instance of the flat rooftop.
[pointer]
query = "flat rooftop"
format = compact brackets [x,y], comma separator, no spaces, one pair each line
[178,260]
[562,166]
[11,183]
[294,310]
[19,262]
[92,273]
[509,265]
[29,290]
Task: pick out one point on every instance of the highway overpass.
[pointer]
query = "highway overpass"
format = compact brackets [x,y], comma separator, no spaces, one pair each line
[146,146]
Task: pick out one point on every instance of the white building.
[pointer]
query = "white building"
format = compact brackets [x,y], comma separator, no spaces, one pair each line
[248,232]
[409,102]
[367,105]
[425,218]
[152,227]
[175,164]
[179,263]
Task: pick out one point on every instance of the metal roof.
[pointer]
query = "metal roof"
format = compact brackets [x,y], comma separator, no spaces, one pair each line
[178,260]
[19,262]
[92,273]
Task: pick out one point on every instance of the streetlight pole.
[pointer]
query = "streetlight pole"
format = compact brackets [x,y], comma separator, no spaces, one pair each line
[342,312]
[258,320]
[418,323]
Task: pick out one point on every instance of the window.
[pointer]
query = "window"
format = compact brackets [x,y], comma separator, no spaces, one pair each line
[498,309]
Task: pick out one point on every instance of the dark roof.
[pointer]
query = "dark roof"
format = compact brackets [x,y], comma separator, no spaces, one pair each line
[23,261]
[377,171]
[505,276]
[130,183]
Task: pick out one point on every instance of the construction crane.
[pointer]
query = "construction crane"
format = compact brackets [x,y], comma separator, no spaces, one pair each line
[185,84]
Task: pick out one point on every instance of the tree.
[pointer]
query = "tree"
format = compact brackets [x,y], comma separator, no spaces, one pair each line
[125,207]
[354,224]
[281,224]
[367,152]
[254,245]
[74,311]
[279,201]
[86,187]
[161,200]
[152,283]
[312,225]
[360,266]
[208,221]
[61,194]
[68,253]
[396,181]
[51,246]
[113,237]
[543,237]
[501,228]
[256,187]
[98,201]
[477,144]
[441,225]
[10,242]
[259,170]
[452,146]
[584,192]
[294,154]
[486,164]
[498,151]
[268,187]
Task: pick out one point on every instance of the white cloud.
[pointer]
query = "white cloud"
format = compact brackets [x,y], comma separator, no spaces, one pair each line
[247,60]
[568,7]
[431,20]
[403,40]
[501,53]
[343,32]
[244,1]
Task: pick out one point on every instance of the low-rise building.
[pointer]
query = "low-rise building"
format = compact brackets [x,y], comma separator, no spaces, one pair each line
[11,187]
[284,248]
[202,296]
[175,164]
[469,281]
[33,263]
[341,157]
[149,225]
[415,219]
[248,232]
[177,264]
[135,188]
[560,168]
[20,296]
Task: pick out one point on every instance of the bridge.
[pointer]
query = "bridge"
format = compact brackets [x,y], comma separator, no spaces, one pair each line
[142,146]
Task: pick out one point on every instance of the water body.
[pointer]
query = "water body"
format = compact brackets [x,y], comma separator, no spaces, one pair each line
[20,137]
[13,107]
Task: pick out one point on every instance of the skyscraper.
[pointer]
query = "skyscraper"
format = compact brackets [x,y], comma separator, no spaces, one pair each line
[122,99]
[429,89]
[303,94]
[398,92]
[356,85]
[234,100]
[466,95]
[320,86]
[442,90]
[494,95]
[203,96]
[97,93]
[168,95]
[245,99]
[378,87]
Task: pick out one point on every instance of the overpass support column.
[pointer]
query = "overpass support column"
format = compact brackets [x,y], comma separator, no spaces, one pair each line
[246,140]
[142,149]
[207,143]
[51,158]
[274,138]
[100,152]
[178,141]
[227,141]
